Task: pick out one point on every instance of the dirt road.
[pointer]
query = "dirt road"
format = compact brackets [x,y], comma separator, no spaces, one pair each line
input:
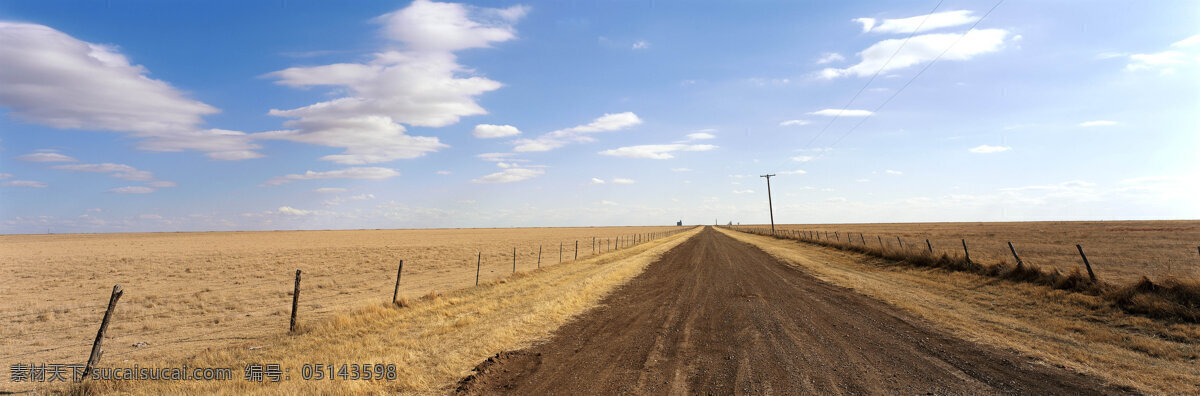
[718,316]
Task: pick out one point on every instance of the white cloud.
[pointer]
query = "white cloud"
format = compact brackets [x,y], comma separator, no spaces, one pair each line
[132,190]
[562,137]
[487,131]
[862,180]
[641,45]
[290,211]
[510,175]
[842,113]
[986,149]
[830,57]
[340,200]
[794,123]
[793,172]
[366,173]
[24,183]
[893,172]
[5,176]
[597,180]
[803,158]
[367,139]
[1097,123]
[329,190]
[921,49]
[120,171]
[497,157]
[743,191]
[700,136]
[926,22]
[681,169]
[608,203]
[50,78]
[422,86]
[95,210]
[1163,61]
[444,172]
[161,183]
[656,151]
[1187,42]
[619,180]
[46,156]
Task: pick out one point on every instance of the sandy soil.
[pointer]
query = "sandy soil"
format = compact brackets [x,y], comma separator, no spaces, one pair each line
[719,316]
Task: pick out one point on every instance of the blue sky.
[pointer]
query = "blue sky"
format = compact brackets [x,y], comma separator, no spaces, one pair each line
[186,115]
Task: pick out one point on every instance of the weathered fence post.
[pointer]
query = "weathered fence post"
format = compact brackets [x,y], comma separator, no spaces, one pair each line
[295,303]
[864,239]
[839,238]
[539,256]
[97,351]
[560,252]
[576,250]
[1091,274]
[478,259]
[900,242]
[514,260]
[880,241]
[929,245]
[396,291]
[965,251]
[1014,253]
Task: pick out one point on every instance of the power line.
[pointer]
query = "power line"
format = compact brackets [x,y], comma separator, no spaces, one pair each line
[877,72]
[914,78]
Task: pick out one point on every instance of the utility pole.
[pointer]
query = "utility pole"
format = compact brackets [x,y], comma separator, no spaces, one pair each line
[770,206]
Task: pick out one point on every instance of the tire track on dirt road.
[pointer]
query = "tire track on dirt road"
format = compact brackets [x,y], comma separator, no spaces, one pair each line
[719,316]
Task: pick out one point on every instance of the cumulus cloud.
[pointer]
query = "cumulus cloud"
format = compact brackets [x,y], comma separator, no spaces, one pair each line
[842,113]
[1097,123]
[487,131]
[928,22]
[920,49]
[830,57]
[46,156]
[423,85]
[132,190]
[50,78]
[510,175]
[1165,62]
[656,151]
[986,149]
[364,173]
[562,137]
[622,181]
[794,123]
[24,183]
[290,211]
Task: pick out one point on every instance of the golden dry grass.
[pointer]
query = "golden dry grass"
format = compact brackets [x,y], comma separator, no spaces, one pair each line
[185,292]
[1120,251]
[433,342]
[1079,332]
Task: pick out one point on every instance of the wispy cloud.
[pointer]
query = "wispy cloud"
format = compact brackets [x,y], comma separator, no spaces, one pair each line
[46,156]
[794,123]
[656,151]
[926,22]
[842,113]
[24,183]
[830,57]
[562,137]
[986,149]
[622,181]
[366,173]
[132,190]
[743,192]
[510,175]
[1097,123]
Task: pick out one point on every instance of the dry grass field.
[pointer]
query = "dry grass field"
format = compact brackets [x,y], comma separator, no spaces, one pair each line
[1120,251]
[185,292]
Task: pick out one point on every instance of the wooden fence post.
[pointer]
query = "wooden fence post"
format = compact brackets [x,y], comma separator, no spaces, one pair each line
[864,239]
[97,351]
[880,241]
[478,259]
[930,246]
[514,260]
[576,250]
[295,303]
[560,252]
[1091,274]
[539,256]
[965,251]
[839,238]
[1014,252]
[396,291]
[900,242]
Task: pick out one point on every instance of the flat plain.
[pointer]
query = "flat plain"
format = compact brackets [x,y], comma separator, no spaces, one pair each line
[185,292]
[1119,251]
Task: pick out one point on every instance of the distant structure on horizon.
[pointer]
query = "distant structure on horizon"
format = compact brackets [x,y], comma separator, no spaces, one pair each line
[679,223]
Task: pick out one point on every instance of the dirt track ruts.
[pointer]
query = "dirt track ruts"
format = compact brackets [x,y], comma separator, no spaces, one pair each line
[719,316]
